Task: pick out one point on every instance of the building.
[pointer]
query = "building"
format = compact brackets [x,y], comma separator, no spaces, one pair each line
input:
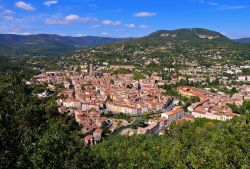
[129,67]
[173,115]
[71,103]
[244,78]
[89,139]
[152,128]
[213,114]
[92,105]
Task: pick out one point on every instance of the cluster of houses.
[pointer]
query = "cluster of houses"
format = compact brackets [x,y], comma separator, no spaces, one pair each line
[210,37]
[53,77]
[216,72]
[116,93]
[88,96]
[177,114]
[211,105]
[92,124]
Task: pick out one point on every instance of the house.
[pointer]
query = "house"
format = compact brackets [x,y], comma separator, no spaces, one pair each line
[97,135]
[194,105]
[92,105]
[88,129]
[51,87]
[152,128]
[244,78]
[71,103]
[218,115]
[66,85]
[122,107]
[102,122]
[173,115]
[163,122]
[129,67]
[89,140]
[63,110]
[95,138]
[188,117]
[42,95]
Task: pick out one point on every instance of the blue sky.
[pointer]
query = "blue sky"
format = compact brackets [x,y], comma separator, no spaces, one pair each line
[123,18]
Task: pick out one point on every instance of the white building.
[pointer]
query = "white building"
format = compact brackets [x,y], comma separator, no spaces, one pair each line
[213,116]
[173,115]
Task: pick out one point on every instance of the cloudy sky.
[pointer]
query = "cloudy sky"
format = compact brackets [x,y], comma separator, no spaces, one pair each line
[123,18]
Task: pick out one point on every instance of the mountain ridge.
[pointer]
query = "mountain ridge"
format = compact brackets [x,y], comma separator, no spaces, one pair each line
[165,48]
[189,33]
[243,40]
[52,44]
[12,44]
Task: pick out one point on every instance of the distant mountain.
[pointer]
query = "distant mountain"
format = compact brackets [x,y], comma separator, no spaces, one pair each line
[243,40]
[169,48]
[191,34]
[45,44]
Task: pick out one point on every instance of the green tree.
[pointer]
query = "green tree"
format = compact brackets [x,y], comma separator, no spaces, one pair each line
[138,122]
[58,147]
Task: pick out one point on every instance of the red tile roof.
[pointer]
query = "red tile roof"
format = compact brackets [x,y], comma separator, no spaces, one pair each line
[172,112]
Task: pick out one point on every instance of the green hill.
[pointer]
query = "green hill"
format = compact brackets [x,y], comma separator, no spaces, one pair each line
[45,44]
[193,33]
[183,47]
[243,40]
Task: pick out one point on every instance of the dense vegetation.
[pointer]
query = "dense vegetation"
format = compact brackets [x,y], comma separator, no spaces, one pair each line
[33,135]
[244,109]
[15,65]
[198,144]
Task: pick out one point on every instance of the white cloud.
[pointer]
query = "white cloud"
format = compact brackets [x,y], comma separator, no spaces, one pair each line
[130,25]
[88,19]
[143,26]
[55,21]
[20,33]
[126,36]
[230,7]
[7,14]
[17,28]
[104,33]
[49,3]
[220,7]
[144,14]
[69,19]
[80,35]
[111,22]
[95,26]
[8,11]
[7,17]
[25,6]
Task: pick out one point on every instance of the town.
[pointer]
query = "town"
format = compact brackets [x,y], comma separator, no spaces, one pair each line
[119,84]
[97,99]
